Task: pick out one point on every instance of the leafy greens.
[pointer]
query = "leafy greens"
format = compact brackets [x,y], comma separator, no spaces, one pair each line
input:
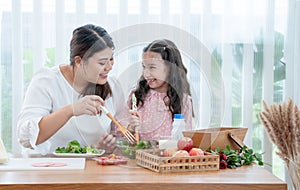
[75,147]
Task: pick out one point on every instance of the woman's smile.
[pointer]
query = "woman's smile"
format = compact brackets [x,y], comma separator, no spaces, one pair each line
[103,76]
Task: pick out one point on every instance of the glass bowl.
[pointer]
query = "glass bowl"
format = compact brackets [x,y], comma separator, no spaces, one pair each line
[128,150]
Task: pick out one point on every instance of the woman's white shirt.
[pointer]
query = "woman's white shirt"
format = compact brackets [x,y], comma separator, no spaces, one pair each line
[50,91]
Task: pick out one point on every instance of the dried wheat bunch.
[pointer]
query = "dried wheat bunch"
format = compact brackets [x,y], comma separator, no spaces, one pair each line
[282,124]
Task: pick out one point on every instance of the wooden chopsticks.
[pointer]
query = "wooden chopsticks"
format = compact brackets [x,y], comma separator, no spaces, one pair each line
[128,135]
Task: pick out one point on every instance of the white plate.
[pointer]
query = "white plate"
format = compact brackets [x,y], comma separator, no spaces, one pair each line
[79,155]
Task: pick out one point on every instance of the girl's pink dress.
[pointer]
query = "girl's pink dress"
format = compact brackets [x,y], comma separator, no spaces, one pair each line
[156,118]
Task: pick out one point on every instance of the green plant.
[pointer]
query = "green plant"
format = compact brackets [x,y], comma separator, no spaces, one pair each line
[230,158]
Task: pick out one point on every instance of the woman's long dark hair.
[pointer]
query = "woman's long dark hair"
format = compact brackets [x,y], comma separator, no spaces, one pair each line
[178,83]
[86,41]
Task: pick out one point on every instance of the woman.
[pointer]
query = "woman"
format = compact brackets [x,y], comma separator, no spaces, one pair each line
[63,103]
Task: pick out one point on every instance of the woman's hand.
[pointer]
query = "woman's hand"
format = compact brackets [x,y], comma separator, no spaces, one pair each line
[89,105]
[107,142]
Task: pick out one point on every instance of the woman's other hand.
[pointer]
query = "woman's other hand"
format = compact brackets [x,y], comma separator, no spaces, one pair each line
[107,142]
[89,105]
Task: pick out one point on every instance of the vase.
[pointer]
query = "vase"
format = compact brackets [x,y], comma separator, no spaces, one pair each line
[294,173]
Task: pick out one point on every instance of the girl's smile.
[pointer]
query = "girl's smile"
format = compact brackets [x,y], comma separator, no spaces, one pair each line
[150,81]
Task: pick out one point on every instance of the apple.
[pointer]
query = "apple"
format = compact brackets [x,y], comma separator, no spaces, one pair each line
[169,152]
[186,143]
[196,152]
[181,153]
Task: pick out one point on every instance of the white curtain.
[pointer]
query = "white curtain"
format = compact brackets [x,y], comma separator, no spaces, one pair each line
[232,68]
[292,57]
[292,49]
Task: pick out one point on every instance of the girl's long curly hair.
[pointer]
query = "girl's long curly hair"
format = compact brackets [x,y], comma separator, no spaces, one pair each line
[178,83]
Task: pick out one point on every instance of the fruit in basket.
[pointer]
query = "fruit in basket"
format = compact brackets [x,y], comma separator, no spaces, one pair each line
[186,143]
[196,152]
[169,152]
[181,153]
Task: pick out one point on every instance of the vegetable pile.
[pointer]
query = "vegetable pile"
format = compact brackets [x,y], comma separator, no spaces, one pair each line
[235,158]
[75,147]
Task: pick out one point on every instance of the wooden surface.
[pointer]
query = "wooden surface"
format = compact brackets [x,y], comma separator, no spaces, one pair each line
[130,176]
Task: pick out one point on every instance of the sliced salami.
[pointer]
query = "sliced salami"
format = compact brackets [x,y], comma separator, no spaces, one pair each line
[49,164]
[59,164]
[42,164]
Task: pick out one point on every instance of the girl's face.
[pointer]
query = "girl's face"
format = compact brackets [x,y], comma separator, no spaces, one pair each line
[155,71]
[97,67]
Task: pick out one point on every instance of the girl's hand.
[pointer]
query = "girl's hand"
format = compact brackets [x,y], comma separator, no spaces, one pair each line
[107,142]
[134,120]
[89,105]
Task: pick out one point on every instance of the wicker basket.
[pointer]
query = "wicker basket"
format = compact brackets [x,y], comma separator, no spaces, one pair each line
[152,159]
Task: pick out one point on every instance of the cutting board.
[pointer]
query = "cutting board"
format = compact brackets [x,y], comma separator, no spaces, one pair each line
[26,164]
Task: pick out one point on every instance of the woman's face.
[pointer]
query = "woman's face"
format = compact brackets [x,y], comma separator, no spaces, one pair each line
[97,67]
[155,71]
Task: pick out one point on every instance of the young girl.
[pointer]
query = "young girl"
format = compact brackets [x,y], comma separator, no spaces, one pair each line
[162,91]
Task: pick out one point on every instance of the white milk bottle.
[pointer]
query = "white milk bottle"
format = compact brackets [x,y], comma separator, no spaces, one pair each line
[177,127]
